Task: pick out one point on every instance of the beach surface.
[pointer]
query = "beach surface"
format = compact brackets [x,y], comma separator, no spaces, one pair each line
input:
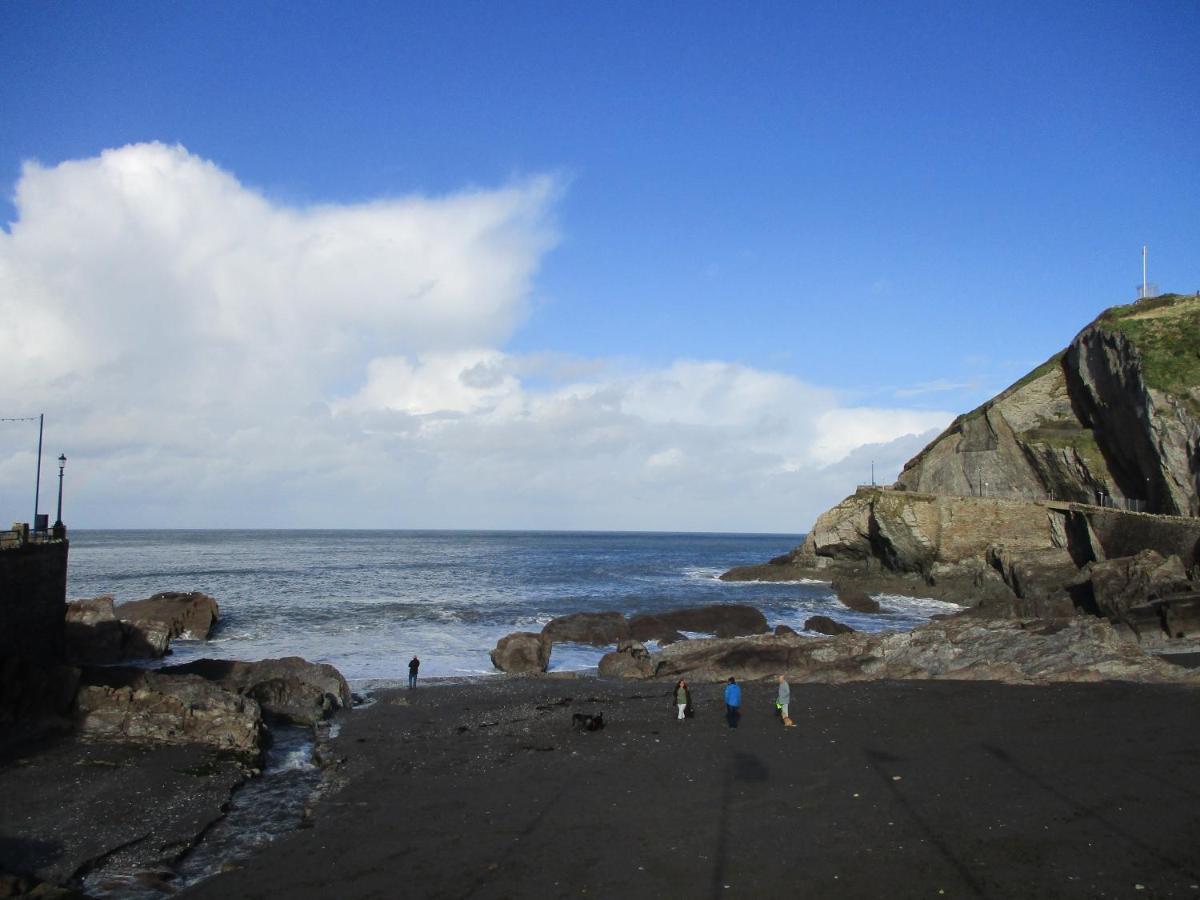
[898,789]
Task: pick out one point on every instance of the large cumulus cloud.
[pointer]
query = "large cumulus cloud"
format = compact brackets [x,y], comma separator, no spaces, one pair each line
[207,356]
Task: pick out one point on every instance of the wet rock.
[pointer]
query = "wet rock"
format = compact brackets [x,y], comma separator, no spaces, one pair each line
[290,689]
[631,659]
[826,625]
[144,706]
[598,629]
[785,629]
[189,615]
[855,598]
[522,652]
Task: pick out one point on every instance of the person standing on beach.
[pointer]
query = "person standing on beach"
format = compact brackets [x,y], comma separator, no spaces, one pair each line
[413,665]
[733,702]
[683,698]
[782,699]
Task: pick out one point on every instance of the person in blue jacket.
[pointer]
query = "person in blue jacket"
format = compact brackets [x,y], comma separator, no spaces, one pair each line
[733,702]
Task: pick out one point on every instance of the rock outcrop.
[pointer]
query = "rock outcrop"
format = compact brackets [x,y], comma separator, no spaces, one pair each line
[1010,506]
[631,659]
[606,628]
[721,619]
[186,615]
[99,632]
[522,652]
[144,706]
[962,647]
[854,597]
[290,689]
[823,625]
[598,629]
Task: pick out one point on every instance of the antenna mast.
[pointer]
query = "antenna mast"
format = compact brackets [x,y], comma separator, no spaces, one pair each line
[1144,286]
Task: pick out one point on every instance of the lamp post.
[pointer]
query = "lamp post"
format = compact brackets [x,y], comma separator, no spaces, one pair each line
[59,530]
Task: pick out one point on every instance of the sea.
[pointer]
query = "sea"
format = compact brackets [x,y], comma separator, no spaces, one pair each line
[368,601]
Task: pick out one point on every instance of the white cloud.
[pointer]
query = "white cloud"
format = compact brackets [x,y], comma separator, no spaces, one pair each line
[209,357]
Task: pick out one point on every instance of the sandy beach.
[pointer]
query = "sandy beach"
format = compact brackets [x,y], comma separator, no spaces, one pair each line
[954,789]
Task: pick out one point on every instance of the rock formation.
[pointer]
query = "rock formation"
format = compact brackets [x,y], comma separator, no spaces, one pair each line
[189,615]
[855,598]
[631,659]
[139,705]
[97,632]
[822,625]
[598,629]
[961,647]
[605,628]
[1114,416]
[1012,507]
[522,652]
[289,689]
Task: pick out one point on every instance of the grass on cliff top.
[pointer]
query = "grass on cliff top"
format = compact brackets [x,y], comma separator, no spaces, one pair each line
[1166,332]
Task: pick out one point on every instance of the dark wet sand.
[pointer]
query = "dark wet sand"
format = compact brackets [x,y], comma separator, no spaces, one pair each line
[884,790]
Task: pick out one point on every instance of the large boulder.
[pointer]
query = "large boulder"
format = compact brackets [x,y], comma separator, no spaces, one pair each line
[144,706]
[631,659]
[853,597]
[522,652]
[187,615]
[289,689]
[598,629]
[824,625]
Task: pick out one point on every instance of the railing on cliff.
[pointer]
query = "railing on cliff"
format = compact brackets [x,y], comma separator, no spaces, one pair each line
[1103,500]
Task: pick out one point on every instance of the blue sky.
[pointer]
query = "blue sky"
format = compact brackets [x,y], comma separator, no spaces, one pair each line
[907,205]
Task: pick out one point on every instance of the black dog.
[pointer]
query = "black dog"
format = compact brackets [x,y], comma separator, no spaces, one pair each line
[586,722]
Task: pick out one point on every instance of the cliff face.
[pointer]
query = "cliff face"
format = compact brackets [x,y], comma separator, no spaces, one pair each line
[1115,413]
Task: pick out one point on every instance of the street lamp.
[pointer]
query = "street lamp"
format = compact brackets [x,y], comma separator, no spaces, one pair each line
[58,522]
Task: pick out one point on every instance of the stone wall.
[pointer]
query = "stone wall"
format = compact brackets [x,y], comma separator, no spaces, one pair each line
[33,597]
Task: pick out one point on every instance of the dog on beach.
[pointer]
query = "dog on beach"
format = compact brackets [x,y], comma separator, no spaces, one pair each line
[587,722]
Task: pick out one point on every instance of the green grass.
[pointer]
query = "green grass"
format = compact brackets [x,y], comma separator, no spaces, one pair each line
[1169,345]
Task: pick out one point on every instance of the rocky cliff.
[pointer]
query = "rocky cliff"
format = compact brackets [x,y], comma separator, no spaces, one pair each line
[1023,505]
[1116,414]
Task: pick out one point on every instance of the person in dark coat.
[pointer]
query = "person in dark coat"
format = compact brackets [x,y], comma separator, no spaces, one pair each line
[413,665]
